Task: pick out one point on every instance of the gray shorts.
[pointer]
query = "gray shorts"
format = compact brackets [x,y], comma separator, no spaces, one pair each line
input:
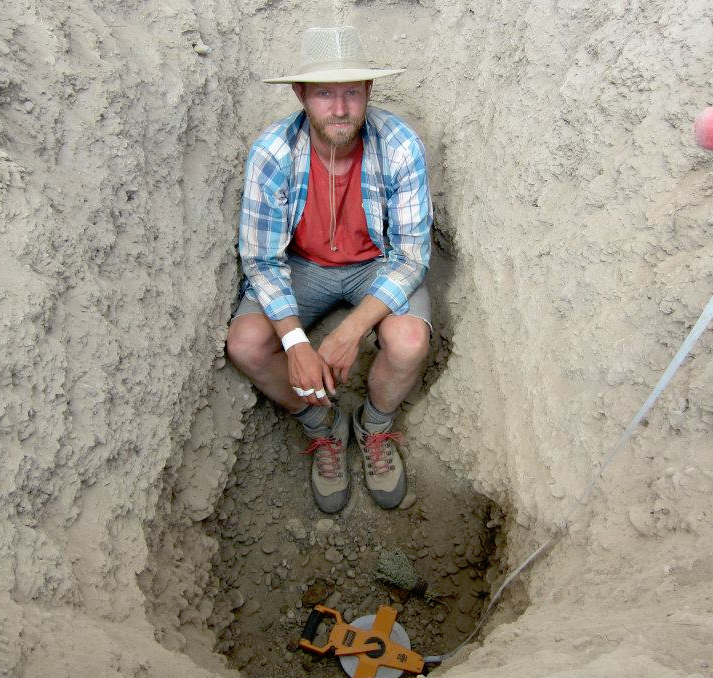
[319,289]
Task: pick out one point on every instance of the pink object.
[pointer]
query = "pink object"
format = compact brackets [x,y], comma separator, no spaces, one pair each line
[703,128]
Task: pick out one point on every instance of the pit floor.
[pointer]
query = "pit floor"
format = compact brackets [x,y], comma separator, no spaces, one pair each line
[279,555]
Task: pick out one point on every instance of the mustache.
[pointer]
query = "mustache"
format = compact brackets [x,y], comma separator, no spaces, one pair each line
[332,121]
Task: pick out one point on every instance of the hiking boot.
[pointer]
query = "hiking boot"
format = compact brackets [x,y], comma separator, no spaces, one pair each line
[330,476]
[383,468]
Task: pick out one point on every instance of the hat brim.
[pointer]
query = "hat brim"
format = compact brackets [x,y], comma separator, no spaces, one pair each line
[336,75]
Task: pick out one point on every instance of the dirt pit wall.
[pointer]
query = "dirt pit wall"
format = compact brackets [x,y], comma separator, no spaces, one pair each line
[574,208]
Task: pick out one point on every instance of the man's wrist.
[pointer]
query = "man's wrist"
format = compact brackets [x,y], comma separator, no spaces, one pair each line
[293,337]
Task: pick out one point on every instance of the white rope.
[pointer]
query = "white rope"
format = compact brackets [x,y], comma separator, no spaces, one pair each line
[690,341]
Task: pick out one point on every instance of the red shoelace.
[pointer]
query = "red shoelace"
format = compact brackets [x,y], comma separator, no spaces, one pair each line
[379,453]
[327,451]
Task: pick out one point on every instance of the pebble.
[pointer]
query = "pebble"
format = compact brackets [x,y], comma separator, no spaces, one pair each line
[408,501]
[459,550]
[464,624]
[440,550]
[324,525]
[333,600]
[472,553]
[333,556]
[268,548]
[452,568]
[466,604]
[492,574]
[423,553]
[251,607]
[236,598]
[351,573]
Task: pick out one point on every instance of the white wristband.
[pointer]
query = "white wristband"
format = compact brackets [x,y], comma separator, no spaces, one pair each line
[296,336]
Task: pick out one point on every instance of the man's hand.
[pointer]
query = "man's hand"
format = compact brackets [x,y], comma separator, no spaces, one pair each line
[308,371]
[340,349]
[341,346]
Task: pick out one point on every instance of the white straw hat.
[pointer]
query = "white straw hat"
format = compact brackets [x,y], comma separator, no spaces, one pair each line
[333,55]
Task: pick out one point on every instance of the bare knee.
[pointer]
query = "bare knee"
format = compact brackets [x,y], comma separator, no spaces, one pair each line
[251,342]
[405,340]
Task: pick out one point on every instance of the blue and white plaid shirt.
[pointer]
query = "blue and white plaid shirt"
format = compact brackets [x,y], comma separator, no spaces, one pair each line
[395,196]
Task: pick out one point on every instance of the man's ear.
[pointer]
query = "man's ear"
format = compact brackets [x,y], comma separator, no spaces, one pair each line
[299,89]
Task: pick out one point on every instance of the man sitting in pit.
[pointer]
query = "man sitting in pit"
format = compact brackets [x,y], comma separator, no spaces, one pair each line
[336,207]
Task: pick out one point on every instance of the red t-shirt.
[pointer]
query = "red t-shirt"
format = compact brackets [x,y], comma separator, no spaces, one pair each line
[311,238]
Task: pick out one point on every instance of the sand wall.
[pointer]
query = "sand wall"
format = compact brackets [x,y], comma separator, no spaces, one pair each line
[576,213]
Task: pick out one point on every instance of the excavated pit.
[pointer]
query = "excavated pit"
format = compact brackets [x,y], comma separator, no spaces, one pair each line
[279,555]
[576,210]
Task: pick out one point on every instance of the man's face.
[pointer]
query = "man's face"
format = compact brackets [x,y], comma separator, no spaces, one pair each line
[336,111]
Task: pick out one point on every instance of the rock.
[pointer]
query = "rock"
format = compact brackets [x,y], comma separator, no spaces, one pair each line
[333,600]
[251,607]
[459,550]
[439,550]
[464,624]
[408,501]
[466,603]
[236,598]
[295,528]
[242,657]
[317,593]
[452,568]
[423,553]
[472,553]
[333,556]
[324,525]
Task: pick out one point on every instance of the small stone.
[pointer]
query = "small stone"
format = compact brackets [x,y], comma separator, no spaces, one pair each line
[333,556]
[236,598]
[452,568]
[333,600]
[408,501]
[439,617]
[242,657]
[439,551]
[351,573]
[251,607]
[398,607]
[464,624]
[348,615]
[492,574]
[423,553]
[466,604]
[203,50]
[481,588]
[459,550]
[324,525]
[472,553]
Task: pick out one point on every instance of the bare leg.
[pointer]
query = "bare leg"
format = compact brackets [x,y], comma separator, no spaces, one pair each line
[253,347]
[397,367]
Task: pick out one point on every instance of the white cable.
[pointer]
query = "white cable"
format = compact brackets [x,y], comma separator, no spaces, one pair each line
[686,347]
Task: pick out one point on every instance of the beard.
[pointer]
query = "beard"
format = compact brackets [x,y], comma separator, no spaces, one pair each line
[333,136]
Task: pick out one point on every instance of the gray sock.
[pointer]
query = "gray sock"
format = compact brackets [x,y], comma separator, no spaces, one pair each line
[313,417]
[376,421]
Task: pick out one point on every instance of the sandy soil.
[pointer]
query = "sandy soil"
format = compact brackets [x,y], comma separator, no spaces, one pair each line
[574,236]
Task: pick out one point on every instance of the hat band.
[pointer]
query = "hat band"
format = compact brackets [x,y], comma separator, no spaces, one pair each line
[333,65]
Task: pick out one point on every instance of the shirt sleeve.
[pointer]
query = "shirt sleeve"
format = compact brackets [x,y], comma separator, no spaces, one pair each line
[264,234]
[410,216]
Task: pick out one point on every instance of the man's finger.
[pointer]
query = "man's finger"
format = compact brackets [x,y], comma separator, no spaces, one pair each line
[328,379]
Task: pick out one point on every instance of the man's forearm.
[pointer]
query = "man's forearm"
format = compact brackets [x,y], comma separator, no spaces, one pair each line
[366,315]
